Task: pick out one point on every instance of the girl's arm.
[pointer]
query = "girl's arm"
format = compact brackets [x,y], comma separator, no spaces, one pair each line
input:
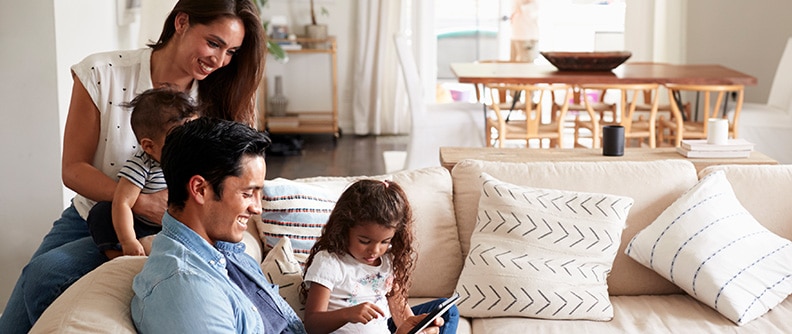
[80,139]
[319,320]
[126,194]
[399,309]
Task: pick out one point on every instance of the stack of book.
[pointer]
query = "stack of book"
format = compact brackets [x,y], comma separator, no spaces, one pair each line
[699,148]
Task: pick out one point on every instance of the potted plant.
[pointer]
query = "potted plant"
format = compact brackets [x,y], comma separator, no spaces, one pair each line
[316,30]
[272,47]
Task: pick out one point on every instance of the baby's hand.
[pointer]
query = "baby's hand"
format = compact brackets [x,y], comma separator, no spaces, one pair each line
[133,248]
[364,313]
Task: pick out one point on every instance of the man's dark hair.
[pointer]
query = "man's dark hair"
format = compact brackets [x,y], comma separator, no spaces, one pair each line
[210,147]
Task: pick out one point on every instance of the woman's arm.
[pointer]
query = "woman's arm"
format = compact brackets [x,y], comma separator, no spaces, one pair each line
[319,320]
[80,140]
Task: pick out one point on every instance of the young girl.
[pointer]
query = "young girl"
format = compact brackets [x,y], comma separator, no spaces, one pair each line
[358,273]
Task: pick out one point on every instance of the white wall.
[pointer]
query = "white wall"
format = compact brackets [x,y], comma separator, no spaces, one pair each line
[35,89]
[748,36]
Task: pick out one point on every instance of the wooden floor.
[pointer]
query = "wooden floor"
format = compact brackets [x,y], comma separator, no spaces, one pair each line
[349,155]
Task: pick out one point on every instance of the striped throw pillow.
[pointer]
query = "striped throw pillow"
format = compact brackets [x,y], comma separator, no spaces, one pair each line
[708,244]
[295,210]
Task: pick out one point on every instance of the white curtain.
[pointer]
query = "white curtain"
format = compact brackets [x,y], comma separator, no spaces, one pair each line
[379,103]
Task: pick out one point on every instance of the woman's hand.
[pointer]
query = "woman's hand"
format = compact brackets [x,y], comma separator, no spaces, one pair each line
[152,206]
[433,328]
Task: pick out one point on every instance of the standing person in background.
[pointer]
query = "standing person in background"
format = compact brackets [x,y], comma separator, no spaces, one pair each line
[525,30]
[211,49]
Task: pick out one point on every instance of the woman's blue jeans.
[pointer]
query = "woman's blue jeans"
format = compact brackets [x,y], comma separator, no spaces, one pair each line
[66,254]
[451,317]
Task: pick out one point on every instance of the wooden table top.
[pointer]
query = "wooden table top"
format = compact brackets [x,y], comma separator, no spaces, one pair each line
[449,156]
[526,73]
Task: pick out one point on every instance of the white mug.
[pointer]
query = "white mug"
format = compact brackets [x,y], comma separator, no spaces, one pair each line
[717,131]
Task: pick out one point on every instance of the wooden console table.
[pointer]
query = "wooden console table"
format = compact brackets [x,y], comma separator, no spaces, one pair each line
[449,156]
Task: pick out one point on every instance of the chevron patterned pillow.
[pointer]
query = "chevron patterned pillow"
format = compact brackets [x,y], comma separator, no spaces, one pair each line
[709,245]
[541,253]
[281,268]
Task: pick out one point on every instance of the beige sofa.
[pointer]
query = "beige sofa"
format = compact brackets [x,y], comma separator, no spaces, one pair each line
[446,208]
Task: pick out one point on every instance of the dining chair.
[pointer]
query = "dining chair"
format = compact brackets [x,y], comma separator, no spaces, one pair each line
[529,122]
[576,104]
[639,127]
[678,127]
[432,125]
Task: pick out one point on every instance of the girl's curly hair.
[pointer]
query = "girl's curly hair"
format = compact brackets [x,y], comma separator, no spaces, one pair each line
[378,202]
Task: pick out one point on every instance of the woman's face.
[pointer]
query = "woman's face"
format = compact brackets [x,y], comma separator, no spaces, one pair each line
[202,49]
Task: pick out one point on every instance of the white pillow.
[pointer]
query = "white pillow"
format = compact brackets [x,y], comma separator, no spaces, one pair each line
[710,246]
[541,253]
[282,268]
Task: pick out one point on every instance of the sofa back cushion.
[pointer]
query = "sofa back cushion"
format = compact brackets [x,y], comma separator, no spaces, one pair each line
[429,191]
[653,185]
[765,191]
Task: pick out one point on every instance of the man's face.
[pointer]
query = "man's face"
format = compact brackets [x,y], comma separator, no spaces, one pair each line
[226,219]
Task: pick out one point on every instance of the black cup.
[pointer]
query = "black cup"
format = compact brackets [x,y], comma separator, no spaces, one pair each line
[613,140]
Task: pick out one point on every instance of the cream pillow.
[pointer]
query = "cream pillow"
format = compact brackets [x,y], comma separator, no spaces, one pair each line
[282,268]
[710,246]
[541,253]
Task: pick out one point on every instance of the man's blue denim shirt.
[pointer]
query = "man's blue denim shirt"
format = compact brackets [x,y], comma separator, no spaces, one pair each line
[184,287]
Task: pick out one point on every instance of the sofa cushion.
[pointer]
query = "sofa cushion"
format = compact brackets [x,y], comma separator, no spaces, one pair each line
[765,191]
[436,237]
[282,268]
[97,303]
[541,253]
[710,246]
[652,185]
[677,313]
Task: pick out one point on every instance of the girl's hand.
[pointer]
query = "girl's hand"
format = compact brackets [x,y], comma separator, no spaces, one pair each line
[152,206]
[364,313]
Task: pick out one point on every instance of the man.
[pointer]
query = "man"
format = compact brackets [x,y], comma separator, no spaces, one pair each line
[197,278]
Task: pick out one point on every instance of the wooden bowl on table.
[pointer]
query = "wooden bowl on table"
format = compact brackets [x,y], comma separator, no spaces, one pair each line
[586,61]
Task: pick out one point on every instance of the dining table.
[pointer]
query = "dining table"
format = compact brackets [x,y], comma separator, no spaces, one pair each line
[483,73]
[636,72]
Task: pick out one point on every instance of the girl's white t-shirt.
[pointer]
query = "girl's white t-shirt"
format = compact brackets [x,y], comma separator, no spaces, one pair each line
[352,283]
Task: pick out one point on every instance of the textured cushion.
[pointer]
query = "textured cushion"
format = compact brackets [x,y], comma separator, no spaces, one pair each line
[714,249]
[541,253]
[97,303]
[282,268]
[295,210]
[429,191]
[652,185]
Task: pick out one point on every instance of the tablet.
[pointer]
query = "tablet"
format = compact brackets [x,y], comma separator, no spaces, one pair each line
[438,311]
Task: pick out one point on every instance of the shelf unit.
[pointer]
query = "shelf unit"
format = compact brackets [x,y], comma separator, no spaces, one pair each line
[305,122]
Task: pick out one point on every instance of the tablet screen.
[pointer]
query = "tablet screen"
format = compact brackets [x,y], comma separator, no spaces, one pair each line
[438,311]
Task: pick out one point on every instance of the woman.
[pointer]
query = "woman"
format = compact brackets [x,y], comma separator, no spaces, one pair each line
[219,43]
